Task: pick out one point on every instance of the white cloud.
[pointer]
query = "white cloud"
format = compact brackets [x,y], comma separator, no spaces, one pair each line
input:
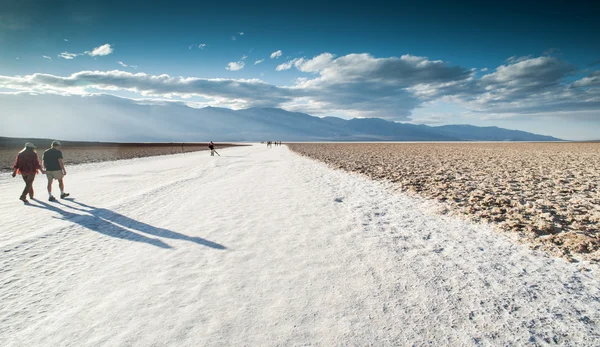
[515,59]
[522,79]
[18,58]
[591,80]
[105,49]
[66,40]
[276,54]
[484,69]
[125,65]
[317,63]
[68,56]
[258,61]
[46,57]
[241,33]
[199,46]
[284,66]
[234,38]
[288,64]
[235,66]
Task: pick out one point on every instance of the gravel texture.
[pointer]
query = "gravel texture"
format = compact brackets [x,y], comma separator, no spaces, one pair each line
[545,193]
[85,153]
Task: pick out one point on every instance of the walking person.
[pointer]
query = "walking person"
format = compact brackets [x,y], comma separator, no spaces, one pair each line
[55,169]
[211,145]
[27,164]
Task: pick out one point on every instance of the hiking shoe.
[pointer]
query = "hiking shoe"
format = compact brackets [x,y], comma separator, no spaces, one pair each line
[64,195]
[51,198]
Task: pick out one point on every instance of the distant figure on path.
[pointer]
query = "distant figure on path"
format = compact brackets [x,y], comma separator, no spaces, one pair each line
[211,145]
[27,164]
[55,169]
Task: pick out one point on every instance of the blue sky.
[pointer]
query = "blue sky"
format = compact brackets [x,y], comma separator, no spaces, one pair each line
[518,65]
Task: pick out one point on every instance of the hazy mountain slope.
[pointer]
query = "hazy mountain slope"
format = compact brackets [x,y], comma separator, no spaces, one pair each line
[380,129]
[109,118]
[473,133]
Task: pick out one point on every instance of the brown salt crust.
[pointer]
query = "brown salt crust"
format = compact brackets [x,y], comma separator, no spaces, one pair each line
[89,154]
[545,194]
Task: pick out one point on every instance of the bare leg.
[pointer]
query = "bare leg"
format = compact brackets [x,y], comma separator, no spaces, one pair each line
[61,185]
[50,179]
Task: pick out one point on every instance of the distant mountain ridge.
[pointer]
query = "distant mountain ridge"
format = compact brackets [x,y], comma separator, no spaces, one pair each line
[109,118]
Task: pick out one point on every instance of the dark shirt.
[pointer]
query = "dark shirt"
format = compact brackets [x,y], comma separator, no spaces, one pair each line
[50,159]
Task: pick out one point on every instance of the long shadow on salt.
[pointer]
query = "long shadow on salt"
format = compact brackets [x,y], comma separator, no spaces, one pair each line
[113,224]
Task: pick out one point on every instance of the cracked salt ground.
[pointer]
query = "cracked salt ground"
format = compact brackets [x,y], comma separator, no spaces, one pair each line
[252,248]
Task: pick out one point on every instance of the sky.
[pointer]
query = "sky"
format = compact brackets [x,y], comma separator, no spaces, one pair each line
[515,64]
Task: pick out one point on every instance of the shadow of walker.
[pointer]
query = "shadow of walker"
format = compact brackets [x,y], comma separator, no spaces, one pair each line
[113,224]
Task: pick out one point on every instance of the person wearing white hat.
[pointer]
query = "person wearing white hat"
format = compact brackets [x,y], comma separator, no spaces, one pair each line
[27,164]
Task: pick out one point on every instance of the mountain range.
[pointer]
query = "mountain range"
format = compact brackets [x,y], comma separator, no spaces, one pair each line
[109,118]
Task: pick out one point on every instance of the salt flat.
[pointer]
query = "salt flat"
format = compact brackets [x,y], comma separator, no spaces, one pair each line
[264,247]
[544,194]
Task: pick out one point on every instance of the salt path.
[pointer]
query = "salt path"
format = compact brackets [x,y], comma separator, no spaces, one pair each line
[262,247]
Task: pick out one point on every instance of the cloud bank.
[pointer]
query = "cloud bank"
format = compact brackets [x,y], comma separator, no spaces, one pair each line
[360,85]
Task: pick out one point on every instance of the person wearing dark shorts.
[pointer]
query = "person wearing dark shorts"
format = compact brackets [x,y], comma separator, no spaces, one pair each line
[55,169]
[27,164]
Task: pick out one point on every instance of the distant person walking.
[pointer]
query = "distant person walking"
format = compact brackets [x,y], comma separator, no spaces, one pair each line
[55,169]
[27,164]
[211,145]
